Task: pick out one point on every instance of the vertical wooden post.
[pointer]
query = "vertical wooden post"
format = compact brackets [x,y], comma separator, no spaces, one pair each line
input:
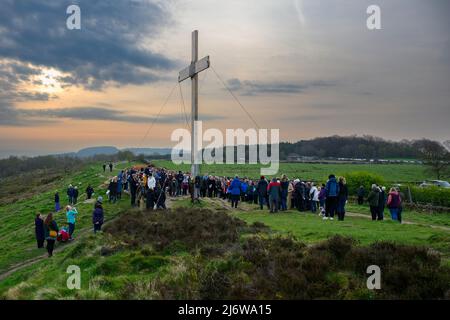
[194,167]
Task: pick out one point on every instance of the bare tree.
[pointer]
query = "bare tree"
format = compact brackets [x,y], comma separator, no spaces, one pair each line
[435,156]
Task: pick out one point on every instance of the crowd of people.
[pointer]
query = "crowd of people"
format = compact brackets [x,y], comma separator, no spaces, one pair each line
[149,186]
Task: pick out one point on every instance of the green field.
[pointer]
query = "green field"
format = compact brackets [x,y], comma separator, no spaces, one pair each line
[26,273]
[393,173]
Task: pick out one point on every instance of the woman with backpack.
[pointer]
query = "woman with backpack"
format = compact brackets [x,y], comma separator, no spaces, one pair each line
[51,233]
[394,203]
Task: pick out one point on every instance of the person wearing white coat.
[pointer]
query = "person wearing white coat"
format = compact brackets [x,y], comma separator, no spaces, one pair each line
[314,195]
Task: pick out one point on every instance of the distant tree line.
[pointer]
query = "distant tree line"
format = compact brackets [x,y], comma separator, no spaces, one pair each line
[364,147]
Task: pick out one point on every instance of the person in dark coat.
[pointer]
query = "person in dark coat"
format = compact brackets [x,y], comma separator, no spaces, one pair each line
[89,192]
[39,231]
[104,167]
[262,193]
[160,198]
[97,215]
[110,167]
[342,198]
[75,195]
[113,190]
[382,203]
[361,192]
[57,202]
[133,188]
[70,193]
[374,201]
[332,192]
[299,195]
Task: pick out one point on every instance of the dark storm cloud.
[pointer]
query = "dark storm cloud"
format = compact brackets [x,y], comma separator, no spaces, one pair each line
[249,87]
[108,48]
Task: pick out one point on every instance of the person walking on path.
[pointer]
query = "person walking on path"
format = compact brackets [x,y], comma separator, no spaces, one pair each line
[57,203]
[104,167]
[71,214]
[51,233]
[39,231]
[373,198]
[360,193]
[97,215]
[394,203]
[382,202]
[89,192]
[75,195]
[70,193]
[110,167]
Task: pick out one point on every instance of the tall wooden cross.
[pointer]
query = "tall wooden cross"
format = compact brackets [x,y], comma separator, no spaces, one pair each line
[192,72]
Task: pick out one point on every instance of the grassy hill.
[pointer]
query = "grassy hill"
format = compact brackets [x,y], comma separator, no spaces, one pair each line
[195,253]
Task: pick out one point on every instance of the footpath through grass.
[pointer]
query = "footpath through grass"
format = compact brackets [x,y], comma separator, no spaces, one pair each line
[17,237]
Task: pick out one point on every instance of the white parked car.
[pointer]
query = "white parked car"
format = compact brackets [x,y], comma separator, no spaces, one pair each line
[435,183]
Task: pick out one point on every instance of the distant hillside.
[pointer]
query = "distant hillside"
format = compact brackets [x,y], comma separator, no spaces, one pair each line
[149,151]
[93,151]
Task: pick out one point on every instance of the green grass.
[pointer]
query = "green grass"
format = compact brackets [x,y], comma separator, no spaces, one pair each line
[393,173]
[109,276]
[310,228]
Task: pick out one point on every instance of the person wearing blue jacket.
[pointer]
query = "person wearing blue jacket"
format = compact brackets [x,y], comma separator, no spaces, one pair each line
[71,214]
[235,191]
[332,192]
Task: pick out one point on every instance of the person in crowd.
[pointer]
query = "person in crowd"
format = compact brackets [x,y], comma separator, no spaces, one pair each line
[119,188]
[299,191]
[374,198]
[132,181]
[400,208]
[361,192]
[89,192]
[57,202]
[235,191]
[284,188]
[110,167]
[262,192]
[71,215]
[180,178]
[290,203]
[394,203]
[197,188]
[75,195]
[322,198]
[332,192]
[185,184]
[314,195]
[382,202]
[342,198]
[274,189]
[160,198]
[211,185]
[151,198]
[112,188]
[244,188]
[39,231]
[70,192]
[51,233]
[97,215]
[104,167]
[307,196]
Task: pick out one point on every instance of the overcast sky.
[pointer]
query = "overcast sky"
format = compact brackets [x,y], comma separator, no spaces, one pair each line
[309,68]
